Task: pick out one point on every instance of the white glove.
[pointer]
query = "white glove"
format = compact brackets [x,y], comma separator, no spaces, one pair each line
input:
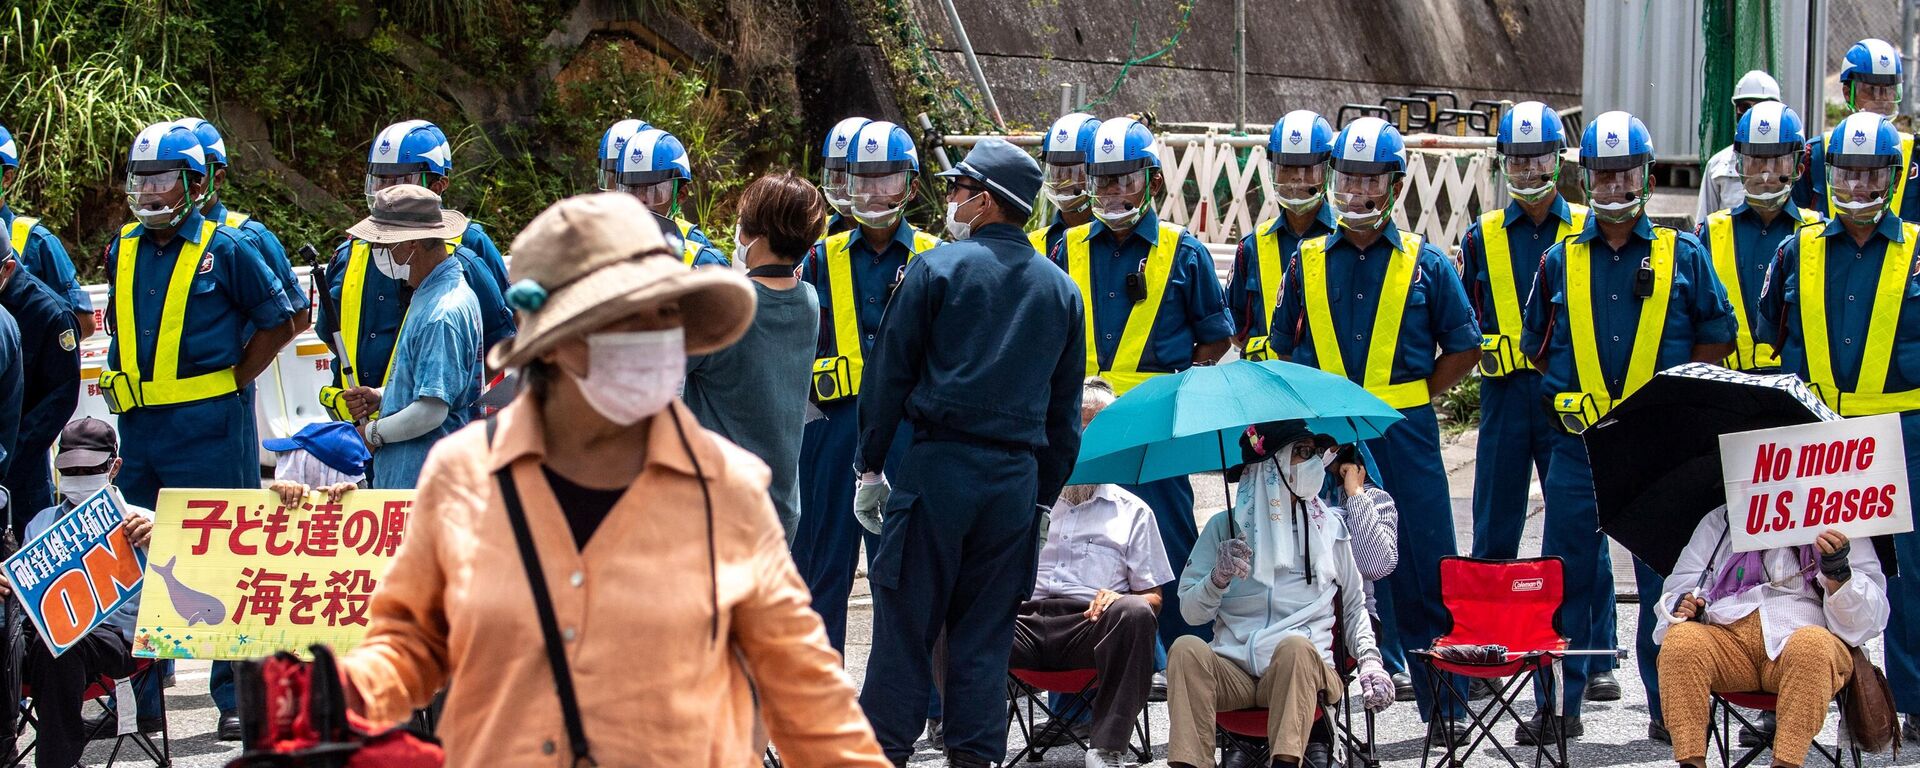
[1234,562]
[1376,687]
[870,493]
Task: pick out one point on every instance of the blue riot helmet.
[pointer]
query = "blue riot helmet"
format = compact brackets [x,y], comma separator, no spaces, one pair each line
[1063,155]
[1768,144]
[1121,166]
[412,152]
[652,169]
[1298,148]
[1529,141]
[881,165]
[1369,160]
[9,150]
[1615,153]
[1870,73]
[215,149]
[613,144]
[1862,156]
[163,167]
[833,163]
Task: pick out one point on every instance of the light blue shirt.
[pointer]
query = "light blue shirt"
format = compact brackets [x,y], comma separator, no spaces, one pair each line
[439,357]
[129,614]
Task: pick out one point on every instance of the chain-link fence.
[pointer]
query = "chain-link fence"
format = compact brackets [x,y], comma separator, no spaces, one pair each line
[1849,21]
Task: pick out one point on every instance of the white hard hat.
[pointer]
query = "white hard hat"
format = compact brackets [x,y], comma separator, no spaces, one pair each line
[1756,86]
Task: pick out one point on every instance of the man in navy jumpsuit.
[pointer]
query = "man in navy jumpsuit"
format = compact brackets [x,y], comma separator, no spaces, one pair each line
[50,367]
[1385,308]
[995,429]
[38,249]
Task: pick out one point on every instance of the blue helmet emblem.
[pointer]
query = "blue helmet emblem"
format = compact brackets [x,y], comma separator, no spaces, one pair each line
[386,145]
[1106,146]
[839,142]
[1526,126]
[1359,143]
[872,144]
[1884,61]
[1613,139]
[1294,137]
[1763,126]
[144,142]
[1859,137]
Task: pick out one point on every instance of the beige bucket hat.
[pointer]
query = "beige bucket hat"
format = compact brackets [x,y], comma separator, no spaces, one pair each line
[407,212]
[592,259]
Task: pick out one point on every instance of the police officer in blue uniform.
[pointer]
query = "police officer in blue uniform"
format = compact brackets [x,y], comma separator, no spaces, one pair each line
[1500,254]
[37,248]
[613,147]
[1298,148]
[50,367]
[652,169]
[1406,303]
[1128,261]
[1610,307]
[994,433]
[833,173]
[855,273]
[362,317]
[1769,146]
[1063,152]
[1871,74]
[178,395]
[1842,304]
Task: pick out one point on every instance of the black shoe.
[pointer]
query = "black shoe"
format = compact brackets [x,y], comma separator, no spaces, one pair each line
[1657,731]
[1402,687]
[1158,691]
[964,760]
[1759,732]
[107,726]
[1438,732]
[1910,730]
[1237,759]
[229,726]
[1541,729]
[936,734]
[1318,756]
[1050,734]
[1603,686]
[1481,689]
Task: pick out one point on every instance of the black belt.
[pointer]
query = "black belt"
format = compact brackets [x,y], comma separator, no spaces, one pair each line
[942,434]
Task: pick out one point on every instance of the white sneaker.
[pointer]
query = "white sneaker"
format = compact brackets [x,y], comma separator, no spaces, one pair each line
[1106,758]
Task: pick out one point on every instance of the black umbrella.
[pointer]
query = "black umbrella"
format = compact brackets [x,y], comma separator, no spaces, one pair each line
[1656,457]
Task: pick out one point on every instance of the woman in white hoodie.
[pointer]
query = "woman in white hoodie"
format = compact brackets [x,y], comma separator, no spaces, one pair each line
[1271,576]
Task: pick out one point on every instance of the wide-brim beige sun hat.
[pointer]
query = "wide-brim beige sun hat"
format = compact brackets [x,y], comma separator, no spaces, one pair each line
[591,260]
[408,212]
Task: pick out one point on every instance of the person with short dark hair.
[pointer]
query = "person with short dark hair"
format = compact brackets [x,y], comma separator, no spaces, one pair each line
[755,392]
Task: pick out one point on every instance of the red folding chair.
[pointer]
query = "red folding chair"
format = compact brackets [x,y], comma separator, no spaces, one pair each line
[1512,603]
[1032,687]
[1726,705]
[161,755]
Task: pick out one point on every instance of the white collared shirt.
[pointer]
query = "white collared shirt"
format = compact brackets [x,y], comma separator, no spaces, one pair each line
[1855,613]
[1110,541]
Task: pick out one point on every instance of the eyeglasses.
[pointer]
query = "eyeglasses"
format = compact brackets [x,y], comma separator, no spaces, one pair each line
[961,186]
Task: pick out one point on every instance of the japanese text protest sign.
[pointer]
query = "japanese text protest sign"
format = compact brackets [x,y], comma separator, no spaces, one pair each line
[75,574]
[1786,485]
[236,575]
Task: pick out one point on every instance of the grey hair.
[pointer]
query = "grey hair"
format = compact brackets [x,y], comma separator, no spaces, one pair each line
[1097,394]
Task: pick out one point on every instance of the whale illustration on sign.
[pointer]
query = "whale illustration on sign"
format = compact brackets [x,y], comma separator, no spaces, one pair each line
[194,606]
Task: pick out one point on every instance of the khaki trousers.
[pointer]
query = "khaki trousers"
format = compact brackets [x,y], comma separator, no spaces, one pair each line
[1697,658]
[1201,683]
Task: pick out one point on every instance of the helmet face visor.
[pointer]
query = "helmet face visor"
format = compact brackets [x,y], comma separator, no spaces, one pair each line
[1530,178]
[1066,185]
[1299,186]
[656,195]
[375,183]
[1767,179]
[1860,194]
[1878,98]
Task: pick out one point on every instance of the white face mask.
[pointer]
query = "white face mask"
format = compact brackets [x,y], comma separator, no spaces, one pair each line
[76,488]
[959,230]
[740,247]
[383,261]
[1305,478]
[633,374]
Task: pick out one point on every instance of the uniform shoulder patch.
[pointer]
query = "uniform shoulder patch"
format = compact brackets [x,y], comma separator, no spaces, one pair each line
[68,341]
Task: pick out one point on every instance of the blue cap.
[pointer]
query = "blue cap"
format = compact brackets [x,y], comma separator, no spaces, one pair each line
[9,151]
[1872,61]
[1303,137]
[1615,141]
[334,443]
[1007,171]
[1769,129]
[1369,146]
[1530,129]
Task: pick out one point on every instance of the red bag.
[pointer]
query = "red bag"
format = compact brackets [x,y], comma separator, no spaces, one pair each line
[293,714]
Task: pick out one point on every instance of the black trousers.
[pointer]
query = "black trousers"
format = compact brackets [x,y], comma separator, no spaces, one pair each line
[58,683]
[1054,634]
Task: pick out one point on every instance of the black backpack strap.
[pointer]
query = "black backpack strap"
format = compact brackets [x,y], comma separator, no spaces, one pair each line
[543,602]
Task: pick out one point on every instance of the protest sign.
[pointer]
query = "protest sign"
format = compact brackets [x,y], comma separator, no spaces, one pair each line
[1786,485]
[75,574]
[237,575]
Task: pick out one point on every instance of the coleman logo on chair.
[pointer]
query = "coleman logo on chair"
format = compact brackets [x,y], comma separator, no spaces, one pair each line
[1529,585]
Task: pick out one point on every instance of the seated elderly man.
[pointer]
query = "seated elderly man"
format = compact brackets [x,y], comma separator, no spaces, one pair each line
[1271,576]
[1096,599]
[1778,620]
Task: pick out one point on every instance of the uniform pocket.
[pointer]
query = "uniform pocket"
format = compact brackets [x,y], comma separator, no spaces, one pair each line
[883,568]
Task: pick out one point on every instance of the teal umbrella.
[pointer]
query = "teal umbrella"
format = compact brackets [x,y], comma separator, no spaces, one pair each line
[1191,421]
